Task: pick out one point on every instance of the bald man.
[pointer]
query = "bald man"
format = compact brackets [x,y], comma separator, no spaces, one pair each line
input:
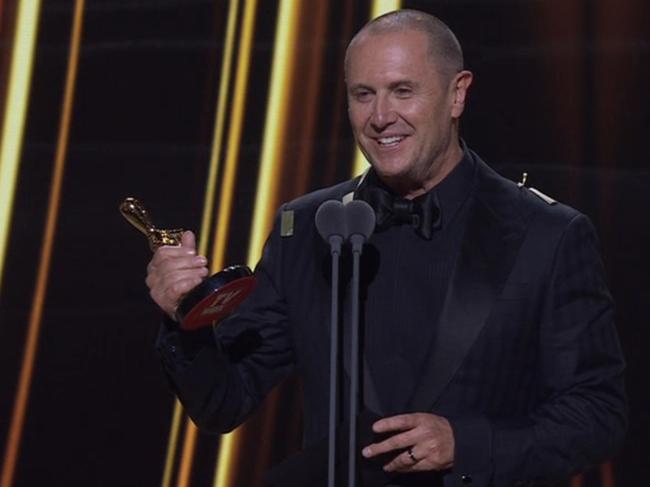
[490,355]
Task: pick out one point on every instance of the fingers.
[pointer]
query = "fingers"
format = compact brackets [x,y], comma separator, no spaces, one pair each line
[178,283]
[168,259]
[407,461]
[396,442]
[422,442]
[174,271]
[401,422]
[188,240]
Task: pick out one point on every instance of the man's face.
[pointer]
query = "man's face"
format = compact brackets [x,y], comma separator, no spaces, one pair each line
[401,107]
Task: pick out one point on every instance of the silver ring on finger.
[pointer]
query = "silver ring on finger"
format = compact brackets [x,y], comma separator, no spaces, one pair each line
[412,455]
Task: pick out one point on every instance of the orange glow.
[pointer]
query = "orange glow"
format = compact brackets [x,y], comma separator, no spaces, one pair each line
[31,346]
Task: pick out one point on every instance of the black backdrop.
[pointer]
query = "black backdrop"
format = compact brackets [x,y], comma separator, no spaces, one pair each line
[559,92]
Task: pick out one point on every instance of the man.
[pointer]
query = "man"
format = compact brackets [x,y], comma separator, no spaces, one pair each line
[490,352]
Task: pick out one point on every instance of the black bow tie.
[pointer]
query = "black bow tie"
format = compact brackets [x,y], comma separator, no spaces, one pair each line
[422,213]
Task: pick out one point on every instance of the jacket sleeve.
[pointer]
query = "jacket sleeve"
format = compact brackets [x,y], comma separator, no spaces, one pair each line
[580,419]
[220,375]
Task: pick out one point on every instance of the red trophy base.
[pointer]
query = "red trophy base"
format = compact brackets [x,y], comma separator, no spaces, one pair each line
[215,298]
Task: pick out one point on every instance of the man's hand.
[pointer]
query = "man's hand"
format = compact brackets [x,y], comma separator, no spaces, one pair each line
[428,438]
[174,271]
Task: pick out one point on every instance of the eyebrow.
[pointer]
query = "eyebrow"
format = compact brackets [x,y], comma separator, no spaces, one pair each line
[404,82]
[359,86]
[391,86]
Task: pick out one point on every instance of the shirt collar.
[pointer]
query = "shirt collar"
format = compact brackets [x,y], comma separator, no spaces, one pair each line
[450,193]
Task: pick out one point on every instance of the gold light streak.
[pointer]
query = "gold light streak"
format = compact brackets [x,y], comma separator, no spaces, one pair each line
[227,188]
[236,123]
[217,138]
[228,443]
[381,7]
[187,455]
[274,126]
[378,7]
[274,129]
[226,459]
[17,98]
[27,368]
[171,444]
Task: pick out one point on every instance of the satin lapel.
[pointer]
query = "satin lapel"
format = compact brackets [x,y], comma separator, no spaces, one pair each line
[485,260]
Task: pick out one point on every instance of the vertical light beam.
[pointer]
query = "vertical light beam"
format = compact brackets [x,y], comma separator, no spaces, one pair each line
[378,7]
[275,126]
[219,123]
[172,443]
[274,132]
[31,346]
[17,98]
[235,123]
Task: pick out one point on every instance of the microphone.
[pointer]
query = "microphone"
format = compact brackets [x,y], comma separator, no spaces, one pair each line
[331,224]
[337,223]
[360,219]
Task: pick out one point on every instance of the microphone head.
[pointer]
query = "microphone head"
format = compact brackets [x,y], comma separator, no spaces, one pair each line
[360,218]
[330,220]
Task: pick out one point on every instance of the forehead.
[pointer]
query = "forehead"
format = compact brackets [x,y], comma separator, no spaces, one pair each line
[403,53]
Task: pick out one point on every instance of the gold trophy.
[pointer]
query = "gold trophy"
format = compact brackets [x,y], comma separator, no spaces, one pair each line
[212,300]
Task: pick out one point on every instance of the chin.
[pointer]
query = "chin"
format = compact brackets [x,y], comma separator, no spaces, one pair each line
[391,171]
[396,180]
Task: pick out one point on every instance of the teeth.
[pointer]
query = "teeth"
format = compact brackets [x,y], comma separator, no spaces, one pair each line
[390,140]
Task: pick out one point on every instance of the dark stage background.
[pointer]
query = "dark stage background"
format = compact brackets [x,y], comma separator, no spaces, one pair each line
[213,134]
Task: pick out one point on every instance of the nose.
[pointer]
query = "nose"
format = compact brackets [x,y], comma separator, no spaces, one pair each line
[383,113]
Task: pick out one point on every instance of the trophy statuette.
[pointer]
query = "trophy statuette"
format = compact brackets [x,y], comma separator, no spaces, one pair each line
[212,300]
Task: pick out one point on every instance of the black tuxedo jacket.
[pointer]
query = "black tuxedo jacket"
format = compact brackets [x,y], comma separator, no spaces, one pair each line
[526,363]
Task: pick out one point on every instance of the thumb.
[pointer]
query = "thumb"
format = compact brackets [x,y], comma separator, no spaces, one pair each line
[188,241]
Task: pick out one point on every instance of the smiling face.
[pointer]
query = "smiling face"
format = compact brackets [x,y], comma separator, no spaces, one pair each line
[403,110]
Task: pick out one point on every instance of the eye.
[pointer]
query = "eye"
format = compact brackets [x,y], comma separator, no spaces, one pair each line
[403,92]
[362,95]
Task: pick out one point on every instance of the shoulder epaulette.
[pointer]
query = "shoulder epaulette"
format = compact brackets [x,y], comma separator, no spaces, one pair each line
[286,223]
[535,191]
[543,196]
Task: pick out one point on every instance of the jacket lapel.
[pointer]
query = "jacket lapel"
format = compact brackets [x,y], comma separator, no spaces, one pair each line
[492,239]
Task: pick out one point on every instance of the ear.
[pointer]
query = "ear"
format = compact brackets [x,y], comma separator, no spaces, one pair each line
[459,85]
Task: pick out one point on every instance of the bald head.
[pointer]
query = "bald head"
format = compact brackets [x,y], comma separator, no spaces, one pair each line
[444,48]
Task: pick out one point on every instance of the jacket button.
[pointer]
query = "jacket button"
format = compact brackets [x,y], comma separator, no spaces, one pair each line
[466,479]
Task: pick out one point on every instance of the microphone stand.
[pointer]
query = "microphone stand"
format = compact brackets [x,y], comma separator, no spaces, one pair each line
[357,247]
[335,242]
[331,224]
[360,219]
